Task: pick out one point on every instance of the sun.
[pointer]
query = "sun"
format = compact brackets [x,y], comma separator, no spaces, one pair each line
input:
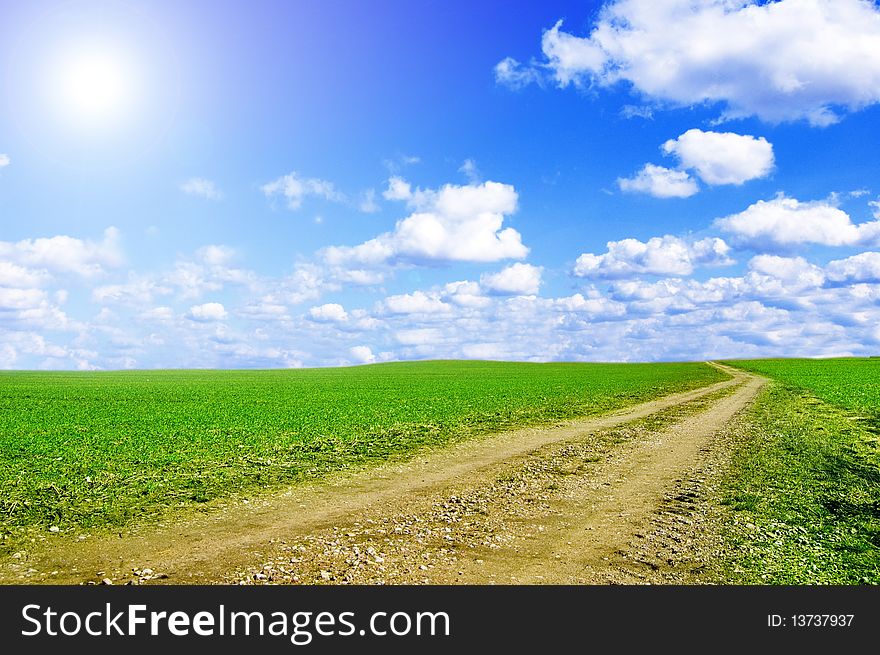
[92,83]
[94,86]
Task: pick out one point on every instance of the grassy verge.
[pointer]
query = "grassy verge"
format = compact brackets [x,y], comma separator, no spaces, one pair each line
[801,497]
[97,450]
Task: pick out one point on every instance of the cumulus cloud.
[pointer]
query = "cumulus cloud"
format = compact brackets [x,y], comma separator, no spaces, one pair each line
[12,275]
[266,308]
[785,222]
[209,311]
[465,293]
[294,189]
[202,187]
[419,336]
[357,276]
[595,305]
[215,255]
[514,75]
[161,314]
[329,313]
[722,157]
[4,160]
[306,282]
[864,267]
[454,223]
[796,272]
[787,60]
[64,254]
[209,272]
[362,354]
[417,302]
[715,157]
[398,189]
[138,290]
[485,351]
[660,182]
[31,343]
[780,305]
[667,255]
[517,279]
[16,299]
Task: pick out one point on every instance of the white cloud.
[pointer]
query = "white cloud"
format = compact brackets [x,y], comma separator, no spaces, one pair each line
[24,305]
[202,187]
[785,222]
[4,160]
[417,302]
[368,204]
[398,189]
[362,354]
[370,253]
[8,356]
[400,161]
[517,279]
[470,170]
[191,280]
[595,305]
[864,267]
[667,255]
[796,272]
[486,351]
[161,314]
[266,308]
[328,313]
[210,271]
[660,182]
[139,290]
[465,294]
[722,157]
[454,223]
[306,282]
[419,337]
[12,275]
[358,276]
[294,189]
[32,343]
[64,254]
[514,75]
[215,255]
[17,299]
[209,311]
[637,111]
[780,61]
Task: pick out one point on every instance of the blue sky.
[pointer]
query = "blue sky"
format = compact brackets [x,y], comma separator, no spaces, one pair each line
[273,184]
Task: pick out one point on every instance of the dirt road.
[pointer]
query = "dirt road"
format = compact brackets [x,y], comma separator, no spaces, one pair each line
[552,505]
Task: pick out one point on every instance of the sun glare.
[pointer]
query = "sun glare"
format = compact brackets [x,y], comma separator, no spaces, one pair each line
[94,86]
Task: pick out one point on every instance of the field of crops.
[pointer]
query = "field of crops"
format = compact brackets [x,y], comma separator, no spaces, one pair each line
[105,449]
[851,383]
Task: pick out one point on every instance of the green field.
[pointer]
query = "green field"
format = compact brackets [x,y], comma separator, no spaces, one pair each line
[851,383]
[93,450]
[803,490]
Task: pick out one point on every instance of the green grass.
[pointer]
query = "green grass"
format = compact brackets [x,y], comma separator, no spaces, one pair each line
[802,494]
[94,450]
